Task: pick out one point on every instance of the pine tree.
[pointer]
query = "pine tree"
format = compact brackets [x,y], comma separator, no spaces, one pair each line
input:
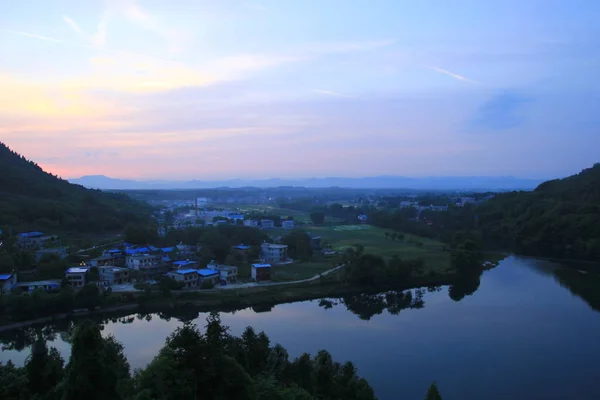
[433,393]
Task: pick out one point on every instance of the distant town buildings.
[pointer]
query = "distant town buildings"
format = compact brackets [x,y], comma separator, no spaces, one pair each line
[267,223]
[288,224]
[251,223]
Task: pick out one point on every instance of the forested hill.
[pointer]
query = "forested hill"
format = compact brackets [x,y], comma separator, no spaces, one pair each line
[31,199]
[560,218]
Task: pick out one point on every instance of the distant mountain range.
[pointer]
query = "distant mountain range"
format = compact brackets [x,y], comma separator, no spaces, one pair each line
[497,183]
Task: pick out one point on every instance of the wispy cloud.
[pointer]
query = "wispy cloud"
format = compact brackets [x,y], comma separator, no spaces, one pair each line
[98,39]
[33,35]
[451,74]
[331,93]
[501,112]
[72,24]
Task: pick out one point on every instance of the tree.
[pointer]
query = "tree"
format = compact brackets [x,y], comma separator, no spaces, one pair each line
[433,393]
[317,217]
[299,245]
[93,371]
[44,370]
[89,296]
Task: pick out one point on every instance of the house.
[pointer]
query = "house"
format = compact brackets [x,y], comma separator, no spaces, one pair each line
[7,282]
[106,260]
[273,252]
[236,217]
[227,273]
[438,208]
[77,276]
[251,223]
[189,277]
[267,223]
[33,286]
[362,218]
[187,264]
[149,265]
[288,224]
[207,275]
[114,275]
[33,240]
[61,252]
[316,242]
[261,272]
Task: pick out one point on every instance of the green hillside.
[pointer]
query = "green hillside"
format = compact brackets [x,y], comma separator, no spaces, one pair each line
[560,218]
[31,199]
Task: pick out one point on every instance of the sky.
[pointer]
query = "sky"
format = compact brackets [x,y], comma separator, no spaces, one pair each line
[220,89]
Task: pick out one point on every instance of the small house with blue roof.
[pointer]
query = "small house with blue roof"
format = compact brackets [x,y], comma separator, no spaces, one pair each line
[188,277]
[7,282]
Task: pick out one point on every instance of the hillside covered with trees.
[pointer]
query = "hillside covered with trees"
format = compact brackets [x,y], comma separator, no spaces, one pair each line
[560,218]
[32,199]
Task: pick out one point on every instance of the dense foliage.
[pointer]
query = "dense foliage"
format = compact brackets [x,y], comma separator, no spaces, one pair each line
[31,199]
[192,364]
[561,218]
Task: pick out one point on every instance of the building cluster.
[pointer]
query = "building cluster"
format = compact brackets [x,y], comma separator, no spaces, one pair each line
[41,244]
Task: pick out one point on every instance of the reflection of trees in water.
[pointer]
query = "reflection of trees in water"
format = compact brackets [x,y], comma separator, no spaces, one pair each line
[367,305]
[466,285]
[581,284]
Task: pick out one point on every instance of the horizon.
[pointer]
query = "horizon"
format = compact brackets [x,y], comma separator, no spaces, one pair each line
[193,90]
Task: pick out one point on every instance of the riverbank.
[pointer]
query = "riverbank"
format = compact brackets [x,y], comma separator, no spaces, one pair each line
[263,296]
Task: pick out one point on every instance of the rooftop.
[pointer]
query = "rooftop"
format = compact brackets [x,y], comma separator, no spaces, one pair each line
[30,234]
[77,270]
[185,271]
[242,247]
[183,263]
[261,265]
[276,246]
[207,272]
[5,277]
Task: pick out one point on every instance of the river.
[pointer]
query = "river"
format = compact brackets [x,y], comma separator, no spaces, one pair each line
[530,330]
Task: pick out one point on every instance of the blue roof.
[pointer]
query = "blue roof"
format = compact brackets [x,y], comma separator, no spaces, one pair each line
[168,249]
[184,271]
[30,234]
[113,251]
[154,248]
[143,250]
[207,272]
[261,265]
[242,247]
[187,262]
[130,251]
[5,277]
[77,270]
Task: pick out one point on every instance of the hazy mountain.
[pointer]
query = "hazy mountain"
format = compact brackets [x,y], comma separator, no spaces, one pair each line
[388,182]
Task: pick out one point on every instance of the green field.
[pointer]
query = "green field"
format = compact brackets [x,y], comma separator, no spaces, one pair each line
[373,239]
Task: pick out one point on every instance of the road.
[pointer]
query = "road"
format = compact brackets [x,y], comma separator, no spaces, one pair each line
[128,287]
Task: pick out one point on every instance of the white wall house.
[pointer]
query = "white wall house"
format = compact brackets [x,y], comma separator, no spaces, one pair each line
[288,224]
[273,252]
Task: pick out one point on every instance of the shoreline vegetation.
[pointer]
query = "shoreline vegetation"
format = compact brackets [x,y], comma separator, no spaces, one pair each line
[236,299]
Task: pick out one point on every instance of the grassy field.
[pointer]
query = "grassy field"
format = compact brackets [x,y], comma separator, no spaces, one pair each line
[299,216]
[304,270]
[373,239]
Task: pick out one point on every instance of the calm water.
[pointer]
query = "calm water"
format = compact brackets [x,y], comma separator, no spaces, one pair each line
[521,335]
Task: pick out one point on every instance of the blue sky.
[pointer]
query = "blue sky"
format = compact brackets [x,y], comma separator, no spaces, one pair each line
[242,89]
